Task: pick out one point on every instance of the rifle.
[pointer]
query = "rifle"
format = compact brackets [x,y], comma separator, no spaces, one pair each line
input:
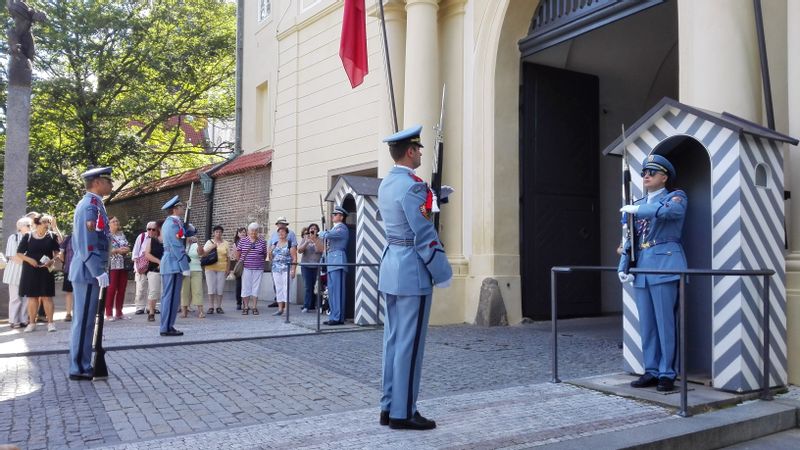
[438,160]
[188,204]
[322,220]
[628,233]
[99,361]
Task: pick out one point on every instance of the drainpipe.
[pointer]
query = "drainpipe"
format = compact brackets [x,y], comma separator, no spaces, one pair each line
[237,146]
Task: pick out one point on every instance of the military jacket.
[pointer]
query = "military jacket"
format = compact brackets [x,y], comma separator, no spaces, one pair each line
[174,259]
[414,258]
[337,238]
[659,227]
[90,240]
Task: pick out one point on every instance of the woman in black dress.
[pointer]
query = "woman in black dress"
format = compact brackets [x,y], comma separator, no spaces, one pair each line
[37,282]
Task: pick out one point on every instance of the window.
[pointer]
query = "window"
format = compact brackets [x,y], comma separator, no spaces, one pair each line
[309,3]
[263,116]
[264,9]
[761,175]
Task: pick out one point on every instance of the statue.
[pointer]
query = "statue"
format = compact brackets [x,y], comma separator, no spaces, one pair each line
[20,41]
[18,110]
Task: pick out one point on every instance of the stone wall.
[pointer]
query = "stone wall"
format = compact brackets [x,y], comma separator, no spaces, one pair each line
[147,207]
[239,199]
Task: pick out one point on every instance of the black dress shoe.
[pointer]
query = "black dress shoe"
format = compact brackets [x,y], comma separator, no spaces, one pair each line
[644,381]
[173,332]
[273,305]
[417,422]
[333,322]
[139,312]
[81,376]
[665,385]
[384,418]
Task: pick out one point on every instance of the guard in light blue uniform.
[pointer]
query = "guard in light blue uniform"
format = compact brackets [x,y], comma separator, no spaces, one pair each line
[413,262]
[336,238]
[174,264]
[87,271]
[659,225]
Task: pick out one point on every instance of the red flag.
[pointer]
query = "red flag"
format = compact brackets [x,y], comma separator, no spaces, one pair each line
[353,46]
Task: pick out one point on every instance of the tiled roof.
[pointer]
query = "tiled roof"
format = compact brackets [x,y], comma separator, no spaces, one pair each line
[244,163]
[163,183]
[252,161]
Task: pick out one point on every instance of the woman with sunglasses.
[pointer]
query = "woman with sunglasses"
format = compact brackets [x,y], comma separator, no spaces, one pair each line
[658,223]
[38,250]
[311,247]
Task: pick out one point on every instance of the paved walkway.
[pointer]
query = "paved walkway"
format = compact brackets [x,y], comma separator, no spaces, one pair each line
[256,382]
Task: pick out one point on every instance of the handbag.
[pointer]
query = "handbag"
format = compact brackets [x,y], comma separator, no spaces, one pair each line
[140,263]
[209,258]
[238,269]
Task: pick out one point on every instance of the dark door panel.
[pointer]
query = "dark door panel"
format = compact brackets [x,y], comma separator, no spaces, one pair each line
[558,189]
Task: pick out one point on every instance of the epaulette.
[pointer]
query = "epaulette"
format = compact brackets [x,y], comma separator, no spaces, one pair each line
[415,177]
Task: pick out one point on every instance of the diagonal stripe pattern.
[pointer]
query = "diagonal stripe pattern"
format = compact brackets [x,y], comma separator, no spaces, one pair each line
[747,233]
[370,241]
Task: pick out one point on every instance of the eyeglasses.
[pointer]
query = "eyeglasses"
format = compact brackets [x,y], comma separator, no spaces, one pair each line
[151,229]
[651,172]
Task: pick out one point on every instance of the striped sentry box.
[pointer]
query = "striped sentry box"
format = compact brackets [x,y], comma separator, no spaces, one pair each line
[370,241]
[747,232]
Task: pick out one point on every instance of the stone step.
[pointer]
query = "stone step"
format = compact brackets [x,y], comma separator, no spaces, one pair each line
[720,428]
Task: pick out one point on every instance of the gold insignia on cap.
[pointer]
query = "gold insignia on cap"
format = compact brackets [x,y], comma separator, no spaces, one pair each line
[650,158]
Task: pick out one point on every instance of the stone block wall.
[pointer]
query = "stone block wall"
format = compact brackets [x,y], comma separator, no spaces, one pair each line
[147,207]
[240,199]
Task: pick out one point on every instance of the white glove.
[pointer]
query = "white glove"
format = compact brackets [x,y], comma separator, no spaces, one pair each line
[445,191]
[186,273]
[626,277]
[445,284]
[630,209]
[102,279]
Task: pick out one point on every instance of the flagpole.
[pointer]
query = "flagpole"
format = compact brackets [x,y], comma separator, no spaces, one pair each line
[388,66]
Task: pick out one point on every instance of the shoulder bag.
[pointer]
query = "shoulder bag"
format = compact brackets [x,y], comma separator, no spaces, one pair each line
[210,257]
[141,263]
[238,269]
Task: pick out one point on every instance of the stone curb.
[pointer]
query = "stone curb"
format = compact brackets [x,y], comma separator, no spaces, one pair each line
[715,429]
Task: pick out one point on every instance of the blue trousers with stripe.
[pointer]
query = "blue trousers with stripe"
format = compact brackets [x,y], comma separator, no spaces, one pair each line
[404,330]
[82,333]
[336,294]
[656,306]
[171,284]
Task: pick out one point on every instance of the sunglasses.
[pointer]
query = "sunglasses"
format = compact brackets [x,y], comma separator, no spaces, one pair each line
[651,172]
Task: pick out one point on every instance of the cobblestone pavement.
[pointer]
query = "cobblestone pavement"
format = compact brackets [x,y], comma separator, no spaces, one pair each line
[486,387]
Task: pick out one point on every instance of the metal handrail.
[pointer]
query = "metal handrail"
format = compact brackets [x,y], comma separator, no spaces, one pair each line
[684,411]
[319,284]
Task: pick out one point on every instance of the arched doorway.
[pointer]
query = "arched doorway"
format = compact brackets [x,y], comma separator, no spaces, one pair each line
[693,169]
[574,96]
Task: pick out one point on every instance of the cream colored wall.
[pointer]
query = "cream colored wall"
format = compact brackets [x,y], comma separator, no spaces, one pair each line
[320,124]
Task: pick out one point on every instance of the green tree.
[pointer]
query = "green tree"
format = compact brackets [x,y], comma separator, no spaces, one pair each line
[112,78]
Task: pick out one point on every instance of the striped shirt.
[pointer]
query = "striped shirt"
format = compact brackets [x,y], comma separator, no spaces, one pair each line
[254,254]
[13,270]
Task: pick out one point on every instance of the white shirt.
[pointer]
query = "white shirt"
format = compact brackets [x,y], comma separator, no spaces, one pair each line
[652,195]
[140,245]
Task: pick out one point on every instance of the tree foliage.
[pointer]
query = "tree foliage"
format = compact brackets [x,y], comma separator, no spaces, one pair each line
[111,78]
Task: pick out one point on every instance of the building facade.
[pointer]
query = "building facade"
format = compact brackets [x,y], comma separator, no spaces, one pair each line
[535,91]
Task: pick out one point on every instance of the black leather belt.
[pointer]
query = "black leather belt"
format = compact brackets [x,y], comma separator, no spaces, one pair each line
[655,242]
[400,241]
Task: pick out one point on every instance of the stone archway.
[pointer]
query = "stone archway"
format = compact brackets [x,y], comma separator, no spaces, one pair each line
[492,154]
